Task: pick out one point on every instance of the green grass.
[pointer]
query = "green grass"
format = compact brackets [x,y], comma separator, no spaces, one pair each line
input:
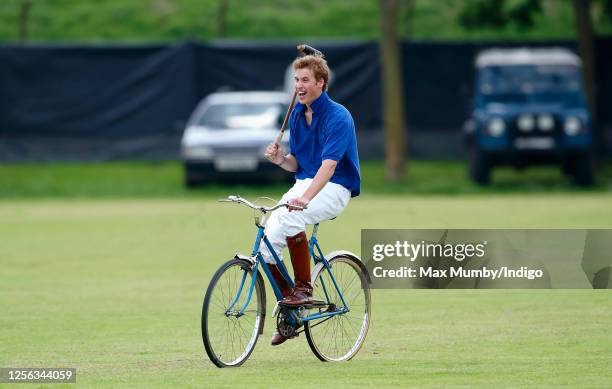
[173,20]
[104,267]
[113,287]
[164,179]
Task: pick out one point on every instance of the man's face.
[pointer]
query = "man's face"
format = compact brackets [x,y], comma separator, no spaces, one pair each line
[307,87]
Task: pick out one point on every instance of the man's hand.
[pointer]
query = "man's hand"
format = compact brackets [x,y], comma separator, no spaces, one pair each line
[273,154]
[301,202]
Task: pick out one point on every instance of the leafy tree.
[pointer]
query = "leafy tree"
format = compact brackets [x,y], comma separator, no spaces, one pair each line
[496,14]
[523,13]
[483,13]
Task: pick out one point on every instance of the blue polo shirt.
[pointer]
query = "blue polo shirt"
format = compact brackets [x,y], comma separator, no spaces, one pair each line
[331,135]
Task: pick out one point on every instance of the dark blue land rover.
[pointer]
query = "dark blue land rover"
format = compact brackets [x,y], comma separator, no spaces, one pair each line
[529,108]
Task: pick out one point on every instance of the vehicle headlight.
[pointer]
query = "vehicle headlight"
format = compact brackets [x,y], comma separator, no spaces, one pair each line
[572,126]
[525,123]
[197,152]
[496,127]
[546,122]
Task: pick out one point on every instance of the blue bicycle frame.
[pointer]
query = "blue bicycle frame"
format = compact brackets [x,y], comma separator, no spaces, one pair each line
[259,261]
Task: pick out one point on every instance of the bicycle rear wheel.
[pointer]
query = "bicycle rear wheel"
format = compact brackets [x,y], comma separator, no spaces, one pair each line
[229,337]
[339,337]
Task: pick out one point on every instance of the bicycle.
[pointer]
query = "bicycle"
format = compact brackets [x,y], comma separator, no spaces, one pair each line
[234,308]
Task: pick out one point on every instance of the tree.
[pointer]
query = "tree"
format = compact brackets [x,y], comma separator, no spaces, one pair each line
[393,97]
[483,13]
[24,19]
[495,14]
[222,12]
[584,30]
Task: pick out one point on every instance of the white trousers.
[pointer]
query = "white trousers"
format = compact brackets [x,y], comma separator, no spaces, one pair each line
[327,204]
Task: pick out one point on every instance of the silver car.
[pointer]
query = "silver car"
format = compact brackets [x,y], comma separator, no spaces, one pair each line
[227,134]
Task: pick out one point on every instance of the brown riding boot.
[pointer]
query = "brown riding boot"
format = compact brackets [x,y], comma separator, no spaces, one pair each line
[280,280]
[300,258]
[277,339]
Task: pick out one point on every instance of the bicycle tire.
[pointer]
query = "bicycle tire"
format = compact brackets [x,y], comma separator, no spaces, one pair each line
[349,329]
[220,329]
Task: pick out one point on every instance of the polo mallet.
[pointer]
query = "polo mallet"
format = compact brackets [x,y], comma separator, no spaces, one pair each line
[303,50]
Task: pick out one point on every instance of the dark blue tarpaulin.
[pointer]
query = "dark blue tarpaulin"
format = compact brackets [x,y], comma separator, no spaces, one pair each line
[101,102]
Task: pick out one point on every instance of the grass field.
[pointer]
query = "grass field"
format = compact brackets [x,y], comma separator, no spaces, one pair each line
[113,287]
[164,179]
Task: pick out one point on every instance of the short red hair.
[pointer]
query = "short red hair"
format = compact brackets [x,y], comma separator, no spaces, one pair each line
[316,64]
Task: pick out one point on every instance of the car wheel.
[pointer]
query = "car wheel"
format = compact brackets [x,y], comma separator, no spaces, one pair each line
[567,168]
[583,174]
[480,169]
[190,180]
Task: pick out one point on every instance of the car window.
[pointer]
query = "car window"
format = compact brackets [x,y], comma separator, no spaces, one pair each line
[241,115]
[530,83]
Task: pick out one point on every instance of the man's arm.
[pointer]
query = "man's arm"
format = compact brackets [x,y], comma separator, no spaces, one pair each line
[324,174]
[289,163]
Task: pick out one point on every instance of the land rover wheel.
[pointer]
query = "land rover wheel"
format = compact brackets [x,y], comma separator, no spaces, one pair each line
[583,174]
[480,169]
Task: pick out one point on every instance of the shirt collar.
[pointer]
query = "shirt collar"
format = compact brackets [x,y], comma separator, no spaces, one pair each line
[318,106]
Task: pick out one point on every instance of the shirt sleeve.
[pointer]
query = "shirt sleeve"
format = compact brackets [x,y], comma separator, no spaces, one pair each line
[337,135]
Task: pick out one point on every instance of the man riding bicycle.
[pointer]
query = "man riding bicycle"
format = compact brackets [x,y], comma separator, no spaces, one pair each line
[323,155]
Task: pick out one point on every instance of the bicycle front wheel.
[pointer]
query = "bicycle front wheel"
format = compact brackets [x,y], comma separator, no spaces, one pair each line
[339,337]
[230,336]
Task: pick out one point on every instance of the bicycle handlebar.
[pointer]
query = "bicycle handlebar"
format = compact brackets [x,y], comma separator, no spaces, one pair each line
[240,200]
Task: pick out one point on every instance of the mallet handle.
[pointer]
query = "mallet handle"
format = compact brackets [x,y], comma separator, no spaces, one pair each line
[279,137]
[302,50]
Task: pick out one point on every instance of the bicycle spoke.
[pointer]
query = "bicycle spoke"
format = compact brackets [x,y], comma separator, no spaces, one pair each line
[340,336]
[230,338]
